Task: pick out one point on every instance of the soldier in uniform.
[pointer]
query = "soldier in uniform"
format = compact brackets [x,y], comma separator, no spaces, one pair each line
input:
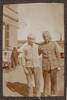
[14,58]
[50,64]
[30,62]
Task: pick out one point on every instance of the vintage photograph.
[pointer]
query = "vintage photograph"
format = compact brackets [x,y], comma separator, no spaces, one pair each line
[33,49]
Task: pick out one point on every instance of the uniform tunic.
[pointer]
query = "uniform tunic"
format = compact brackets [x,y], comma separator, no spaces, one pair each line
[50,56]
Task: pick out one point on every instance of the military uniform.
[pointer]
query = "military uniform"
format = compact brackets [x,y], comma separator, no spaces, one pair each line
[50,64]
[30,62]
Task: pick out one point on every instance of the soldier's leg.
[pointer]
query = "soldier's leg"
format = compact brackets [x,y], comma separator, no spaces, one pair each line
[29,82]
[14,64]
[38,81]
[53,81]
[46,76]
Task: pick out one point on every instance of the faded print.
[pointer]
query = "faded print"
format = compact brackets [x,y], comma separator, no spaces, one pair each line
[33,49]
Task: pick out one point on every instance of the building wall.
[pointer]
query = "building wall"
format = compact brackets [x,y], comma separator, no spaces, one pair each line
[10,19]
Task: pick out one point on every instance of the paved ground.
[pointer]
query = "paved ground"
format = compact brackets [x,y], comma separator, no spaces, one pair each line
[16,75]
[15,84]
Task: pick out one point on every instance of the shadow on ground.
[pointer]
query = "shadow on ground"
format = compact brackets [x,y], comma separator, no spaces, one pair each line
[22,89]
[19,88]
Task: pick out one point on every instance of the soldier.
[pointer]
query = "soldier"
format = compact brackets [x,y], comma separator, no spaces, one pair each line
[14,58]
[50,64]
[30,62]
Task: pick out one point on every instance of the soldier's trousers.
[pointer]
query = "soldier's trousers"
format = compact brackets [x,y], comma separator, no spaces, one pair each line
[36,75]
[50,82]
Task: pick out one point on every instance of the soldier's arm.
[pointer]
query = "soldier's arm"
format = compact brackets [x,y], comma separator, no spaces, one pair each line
[58,56]
[24,61]
[57,51]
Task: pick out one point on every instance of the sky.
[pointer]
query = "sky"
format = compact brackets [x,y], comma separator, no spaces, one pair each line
[34,18]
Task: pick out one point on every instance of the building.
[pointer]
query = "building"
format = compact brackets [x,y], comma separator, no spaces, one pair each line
[10,29]
[21,42]
[61,44]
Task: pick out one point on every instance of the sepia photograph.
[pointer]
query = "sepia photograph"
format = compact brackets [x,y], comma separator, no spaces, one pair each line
[33,49]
